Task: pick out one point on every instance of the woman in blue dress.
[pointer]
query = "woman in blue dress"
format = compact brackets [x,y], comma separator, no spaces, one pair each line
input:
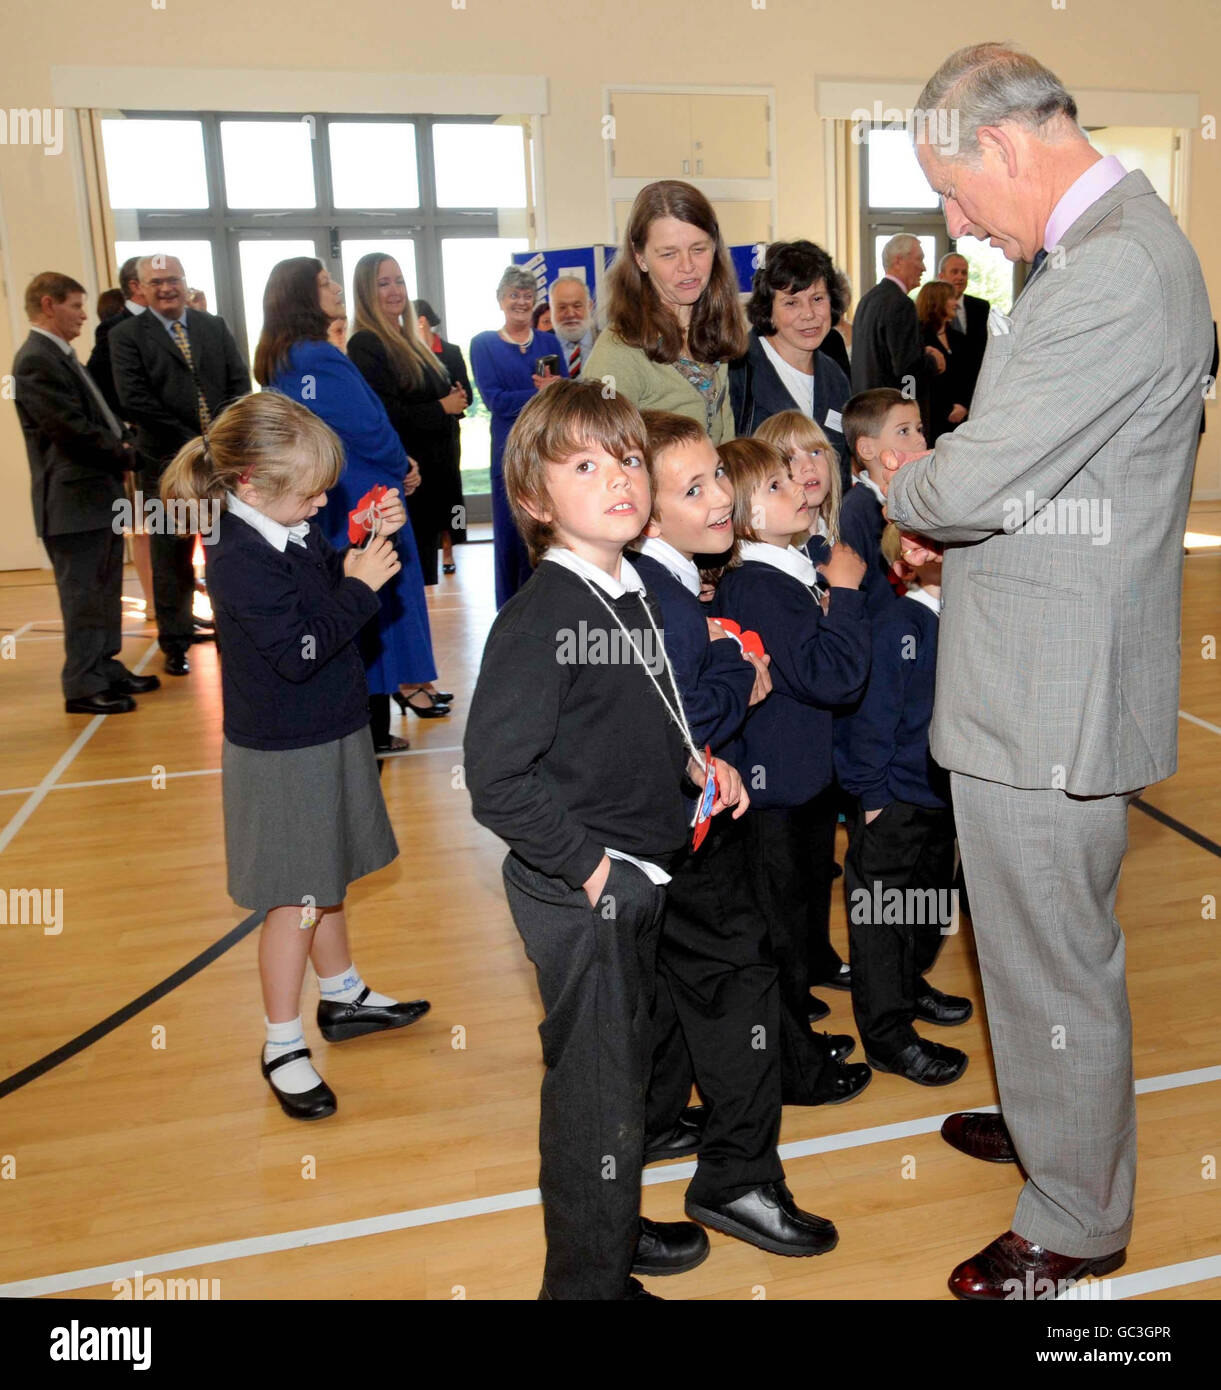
[295,358]
[503,365]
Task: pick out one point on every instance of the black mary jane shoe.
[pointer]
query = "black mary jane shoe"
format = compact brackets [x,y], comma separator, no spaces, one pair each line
[315,1104]
[435,709]
[339,1021]
[669,1247]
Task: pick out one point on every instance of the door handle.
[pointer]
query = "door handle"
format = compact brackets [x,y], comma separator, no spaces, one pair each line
[686,166]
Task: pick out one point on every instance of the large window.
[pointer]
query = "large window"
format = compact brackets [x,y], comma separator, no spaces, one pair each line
[231,195]
[896,197]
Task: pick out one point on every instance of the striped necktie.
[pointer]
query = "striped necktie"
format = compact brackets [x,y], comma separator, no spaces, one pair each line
[574,362]
[184,346]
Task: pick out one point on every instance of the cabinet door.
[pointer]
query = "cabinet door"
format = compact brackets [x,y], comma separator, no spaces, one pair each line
[729,137]
[652,135]
[744,223]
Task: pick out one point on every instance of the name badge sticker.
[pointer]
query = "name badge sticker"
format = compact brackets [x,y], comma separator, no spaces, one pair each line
[703,814]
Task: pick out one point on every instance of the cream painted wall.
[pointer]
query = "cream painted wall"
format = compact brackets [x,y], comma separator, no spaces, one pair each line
[577,45]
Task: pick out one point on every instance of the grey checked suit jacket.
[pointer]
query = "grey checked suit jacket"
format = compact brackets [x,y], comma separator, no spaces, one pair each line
[1058,658]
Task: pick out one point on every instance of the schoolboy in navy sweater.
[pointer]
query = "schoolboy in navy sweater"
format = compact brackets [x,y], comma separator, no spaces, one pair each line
[717,1012]
[875,420]
[900,863]
[575,756]
[818,662]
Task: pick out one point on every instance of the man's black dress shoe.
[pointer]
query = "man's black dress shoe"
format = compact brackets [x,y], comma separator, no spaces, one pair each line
[340,1021]
[315,1104]
[840,1046]
[683,1141]
[816,1009]
[132,684]
[926,1063]
[948,1010]
[768,1217]
[979,1136]
[176,664]
[669,1247]
[105,703]
[841,1081]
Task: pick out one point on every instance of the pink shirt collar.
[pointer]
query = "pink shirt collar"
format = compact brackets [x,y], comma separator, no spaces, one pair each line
[1098,179]
[897,281]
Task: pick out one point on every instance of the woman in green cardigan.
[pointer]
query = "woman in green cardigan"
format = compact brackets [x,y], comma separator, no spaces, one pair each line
[675,322]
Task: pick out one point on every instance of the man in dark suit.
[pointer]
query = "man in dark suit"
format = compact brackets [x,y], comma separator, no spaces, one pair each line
[78,451]
[972,320]
[887,346]
[133,305]
[175,370]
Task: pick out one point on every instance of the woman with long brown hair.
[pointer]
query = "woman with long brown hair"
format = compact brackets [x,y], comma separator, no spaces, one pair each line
[674,321]
[295,358]
[936,308]
[413,385]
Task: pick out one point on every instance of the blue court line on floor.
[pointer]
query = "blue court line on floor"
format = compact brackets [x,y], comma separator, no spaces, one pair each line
[129,1011]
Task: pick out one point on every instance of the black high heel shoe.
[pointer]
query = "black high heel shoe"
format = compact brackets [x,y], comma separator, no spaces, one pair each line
[435,709]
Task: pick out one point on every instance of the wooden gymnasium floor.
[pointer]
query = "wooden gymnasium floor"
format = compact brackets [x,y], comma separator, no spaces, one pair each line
[176,1160]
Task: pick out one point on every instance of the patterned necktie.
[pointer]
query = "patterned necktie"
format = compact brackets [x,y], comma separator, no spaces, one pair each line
[1039,257]
[574,362]
[184,346]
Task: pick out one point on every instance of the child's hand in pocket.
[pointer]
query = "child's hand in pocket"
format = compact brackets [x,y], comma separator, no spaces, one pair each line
[595,883]
[375,566]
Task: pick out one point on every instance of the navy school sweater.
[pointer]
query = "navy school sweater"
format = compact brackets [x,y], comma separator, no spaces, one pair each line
[881,749]
[861,524]
[713,677]
[567,752]
[291,676]
[818,663]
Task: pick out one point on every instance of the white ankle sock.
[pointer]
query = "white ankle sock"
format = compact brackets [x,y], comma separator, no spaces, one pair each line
[346,987]
[297,1076]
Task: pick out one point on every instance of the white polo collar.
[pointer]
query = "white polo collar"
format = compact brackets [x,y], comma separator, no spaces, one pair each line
[629,581]
[863,479]
[684,570]
[275,532]
[790,560]
[919,595]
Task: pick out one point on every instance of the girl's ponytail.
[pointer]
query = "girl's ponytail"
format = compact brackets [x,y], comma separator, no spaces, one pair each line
[192,476]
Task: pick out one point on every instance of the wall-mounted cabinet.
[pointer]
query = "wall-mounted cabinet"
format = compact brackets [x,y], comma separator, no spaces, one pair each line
[690,135]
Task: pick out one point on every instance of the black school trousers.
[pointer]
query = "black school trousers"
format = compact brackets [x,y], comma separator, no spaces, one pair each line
[891,945]
[596,975]
[717,1018]
[791,855]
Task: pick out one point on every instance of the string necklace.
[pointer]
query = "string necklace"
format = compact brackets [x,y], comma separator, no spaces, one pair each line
[675,710]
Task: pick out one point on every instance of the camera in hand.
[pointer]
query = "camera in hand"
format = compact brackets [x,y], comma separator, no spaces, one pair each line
[547,366]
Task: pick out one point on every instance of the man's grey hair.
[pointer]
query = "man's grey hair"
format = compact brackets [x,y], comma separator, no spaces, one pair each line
[568,280]
[157,261]
[515,278]
[951,256]
[987,84]
[897,247]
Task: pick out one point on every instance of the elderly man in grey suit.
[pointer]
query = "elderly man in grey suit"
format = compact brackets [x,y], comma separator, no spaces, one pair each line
[1063,502]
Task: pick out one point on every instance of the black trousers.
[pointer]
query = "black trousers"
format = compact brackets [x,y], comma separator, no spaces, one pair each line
[892,943]
[717,1019]
[822,959]
[596,975]
[88,568]
[789,852]
[173,577]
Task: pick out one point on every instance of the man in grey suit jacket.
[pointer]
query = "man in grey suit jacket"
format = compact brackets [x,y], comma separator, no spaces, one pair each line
[78,451]
[1064,501]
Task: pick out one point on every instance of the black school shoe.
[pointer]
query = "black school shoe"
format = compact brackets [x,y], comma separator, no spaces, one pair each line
[339,1021]
[840,1082]
[669,1247]
[683,1141]
[767,1216]
[926,1063]
[315,1104]
[947,1010]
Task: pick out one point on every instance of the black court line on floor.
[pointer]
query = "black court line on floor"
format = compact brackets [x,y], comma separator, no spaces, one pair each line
[129,1011]
[243,929]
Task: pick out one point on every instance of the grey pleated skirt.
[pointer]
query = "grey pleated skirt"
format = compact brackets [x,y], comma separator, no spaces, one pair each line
[301,824]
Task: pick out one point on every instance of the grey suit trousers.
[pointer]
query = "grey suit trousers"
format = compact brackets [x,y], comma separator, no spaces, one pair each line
[88,569]
[1042,870]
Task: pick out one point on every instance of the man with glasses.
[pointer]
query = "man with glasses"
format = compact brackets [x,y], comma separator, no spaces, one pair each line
[175,370]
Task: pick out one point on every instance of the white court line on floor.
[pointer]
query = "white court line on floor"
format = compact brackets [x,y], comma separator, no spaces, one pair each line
[1152,1280]
[509,1201]
[32,803]
[192,772]
[1203,723]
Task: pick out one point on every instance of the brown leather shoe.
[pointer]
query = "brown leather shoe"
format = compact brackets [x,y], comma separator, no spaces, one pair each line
[1011,1268]
[980,1136]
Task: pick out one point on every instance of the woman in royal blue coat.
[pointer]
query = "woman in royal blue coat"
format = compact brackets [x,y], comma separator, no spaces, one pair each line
[502,363]
[295,358]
